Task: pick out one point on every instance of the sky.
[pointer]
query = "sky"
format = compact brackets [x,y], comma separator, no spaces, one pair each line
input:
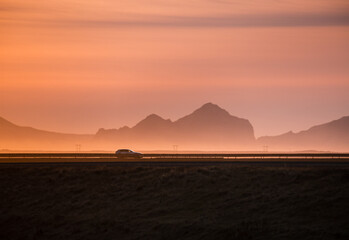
[80,65]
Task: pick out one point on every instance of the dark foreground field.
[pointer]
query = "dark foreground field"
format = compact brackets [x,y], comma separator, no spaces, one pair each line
[224,202]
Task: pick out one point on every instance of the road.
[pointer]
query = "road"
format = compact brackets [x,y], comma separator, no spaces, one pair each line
[257,159]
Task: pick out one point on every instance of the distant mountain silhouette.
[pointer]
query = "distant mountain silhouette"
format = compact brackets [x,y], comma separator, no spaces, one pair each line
[333,136]
[153,124]
[213,126]
[209,127]
[28,138]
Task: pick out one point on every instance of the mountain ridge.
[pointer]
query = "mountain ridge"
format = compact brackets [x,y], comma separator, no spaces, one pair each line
[326,136]
[209,127]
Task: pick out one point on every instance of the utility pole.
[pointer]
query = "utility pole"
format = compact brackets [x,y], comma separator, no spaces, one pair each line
[265,148]
[77,147]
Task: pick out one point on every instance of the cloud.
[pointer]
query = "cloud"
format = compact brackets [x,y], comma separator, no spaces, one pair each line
[231,21]
[167,13]
[291,20]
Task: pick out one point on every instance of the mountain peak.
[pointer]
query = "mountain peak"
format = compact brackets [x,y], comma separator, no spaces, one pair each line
[154,117]
[151,121]
[209,104]
[210,108]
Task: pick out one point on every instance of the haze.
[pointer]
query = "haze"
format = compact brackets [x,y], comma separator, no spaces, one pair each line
[76,66]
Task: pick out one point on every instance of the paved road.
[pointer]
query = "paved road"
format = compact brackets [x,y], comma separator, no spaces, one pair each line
[256,159]
[196,162]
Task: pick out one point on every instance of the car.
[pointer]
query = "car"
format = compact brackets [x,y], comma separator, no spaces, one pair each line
[127,153]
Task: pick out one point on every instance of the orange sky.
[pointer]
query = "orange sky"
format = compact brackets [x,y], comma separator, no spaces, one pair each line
[76,66]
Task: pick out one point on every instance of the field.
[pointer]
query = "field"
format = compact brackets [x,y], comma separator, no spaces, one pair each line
[183,202]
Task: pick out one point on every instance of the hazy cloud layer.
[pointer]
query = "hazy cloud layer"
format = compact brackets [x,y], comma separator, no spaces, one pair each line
[295,20]
[170,13]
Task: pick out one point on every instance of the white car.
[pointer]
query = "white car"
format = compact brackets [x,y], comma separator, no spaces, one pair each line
[127,153]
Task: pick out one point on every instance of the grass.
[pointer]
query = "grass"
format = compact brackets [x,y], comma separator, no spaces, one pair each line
[224,202]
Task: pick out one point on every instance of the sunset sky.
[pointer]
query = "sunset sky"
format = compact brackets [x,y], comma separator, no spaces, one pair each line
[79,65]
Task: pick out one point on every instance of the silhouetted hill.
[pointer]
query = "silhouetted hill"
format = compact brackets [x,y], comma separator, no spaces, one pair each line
[332,136]
[27,138]
[209,127]
[153,123]
[216,125]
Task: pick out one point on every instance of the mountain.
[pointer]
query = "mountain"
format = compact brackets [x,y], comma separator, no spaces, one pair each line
[333,136]
[209,127]
[153,124]
[26,138]
[213,126]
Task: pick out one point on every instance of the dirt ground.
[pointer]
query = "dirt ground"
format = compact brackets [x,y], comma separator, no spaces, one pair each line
[224,202]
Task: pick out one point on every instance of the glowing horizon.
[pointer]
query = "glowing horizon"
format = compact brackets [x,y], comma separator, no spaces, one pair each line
[77,66]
